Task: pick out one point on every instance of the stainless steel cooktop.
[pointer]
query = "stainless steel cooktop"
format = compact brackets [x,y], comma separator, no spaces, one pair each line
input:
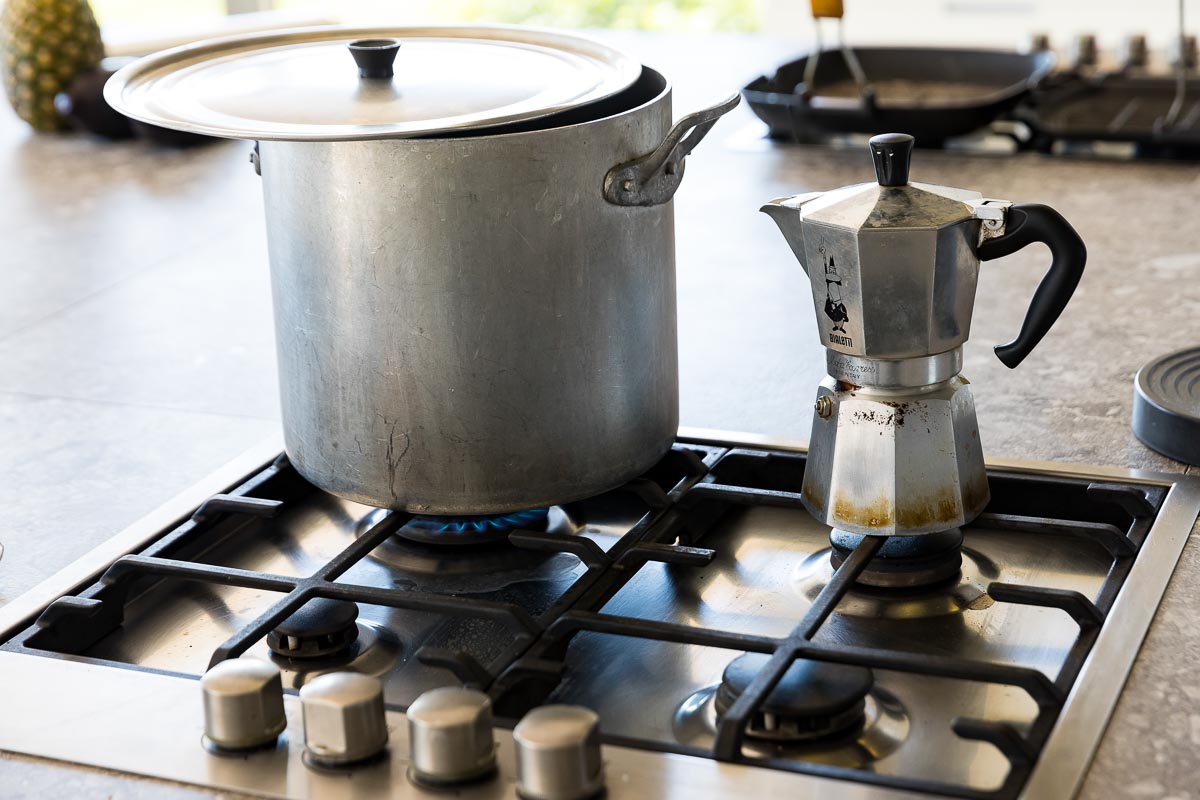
[728,644]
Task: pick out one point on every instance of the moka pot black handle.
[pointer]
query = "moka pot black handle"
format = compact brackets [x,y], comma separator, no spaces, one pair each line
[1026,223]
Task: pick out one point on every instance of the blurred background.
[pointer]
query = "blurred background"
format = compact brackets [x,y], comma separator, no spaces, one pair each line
[129,24]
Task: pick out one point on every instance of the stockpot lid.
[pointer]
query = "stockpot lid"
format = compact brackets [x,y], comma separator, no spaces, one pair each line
[342,83]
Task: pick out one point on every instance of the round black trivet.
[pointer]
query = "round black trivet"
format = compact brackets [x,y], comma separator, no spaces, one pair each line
[1166,405]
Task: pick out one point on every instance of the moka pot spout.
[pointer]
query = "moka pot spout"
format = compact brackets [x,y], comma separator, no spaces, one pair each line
[786,213]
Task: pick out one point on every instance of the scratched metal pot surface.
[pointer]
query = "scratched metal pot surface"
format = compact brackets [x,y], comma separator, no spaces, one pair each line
[467,325]
[472,252]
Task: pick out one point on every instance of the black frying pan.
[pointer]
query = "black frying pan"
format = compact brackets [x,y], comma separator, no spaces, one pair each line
[929,93]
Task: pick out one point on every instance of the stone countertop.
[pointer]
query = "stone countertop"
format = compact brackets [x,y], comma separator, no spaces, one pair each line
[136,352]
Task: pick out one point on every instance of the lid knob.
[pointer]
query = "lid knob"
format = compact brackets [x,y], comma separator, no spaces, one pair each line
[374,57]
[892,153]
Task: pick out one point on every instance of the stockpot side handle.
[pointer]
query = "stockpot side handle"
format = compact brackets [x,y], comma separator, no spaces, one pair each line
[652,179]
[1026,223]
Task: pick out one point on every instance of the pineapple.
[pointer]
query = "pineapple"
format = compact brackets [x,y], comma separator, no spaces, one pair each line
[44,45]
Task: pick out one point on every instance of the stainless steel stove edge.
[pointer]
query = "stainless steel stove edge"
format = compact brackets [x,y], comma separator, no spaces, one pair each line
[87,568]
[151,724]
[144,723]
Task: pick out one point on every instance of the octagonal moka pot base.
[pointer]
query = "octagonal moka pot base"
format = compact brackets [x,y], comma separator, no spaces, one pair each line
[895,461]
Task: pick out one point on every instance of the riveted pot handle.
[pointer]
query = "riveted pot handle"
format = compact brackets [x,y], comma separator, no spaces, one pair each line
[652,179]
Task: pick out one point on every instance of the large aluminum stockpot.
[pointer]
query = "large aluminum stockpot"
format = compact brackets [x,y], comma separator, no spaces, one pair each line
[468,325]
[478,318]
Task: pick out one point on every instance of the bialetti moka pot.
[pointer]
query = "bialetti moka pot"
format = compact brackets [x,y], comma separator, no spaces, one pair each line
[893,265]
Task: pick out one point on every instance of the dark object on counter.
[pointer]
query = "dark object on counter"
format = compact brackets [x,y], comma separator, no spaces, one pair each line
[1084,52]
[1113,108]
[1135,53]
[168,137]
[1166,405]
[930,93]
[83,106]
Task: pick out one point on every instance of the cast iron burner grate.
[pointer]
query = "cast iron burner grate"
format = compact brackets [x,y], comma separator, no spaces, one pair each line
[683,497]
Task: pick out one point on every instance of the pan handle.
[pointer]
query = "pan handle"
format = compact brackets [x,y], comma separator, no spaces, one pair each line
[652,179]
[864,103]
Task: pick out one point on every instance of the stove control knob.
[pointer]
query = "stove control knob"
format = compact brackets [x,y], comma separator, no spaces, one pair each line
[450,736]
[558,754]
[344,720]
[243,705]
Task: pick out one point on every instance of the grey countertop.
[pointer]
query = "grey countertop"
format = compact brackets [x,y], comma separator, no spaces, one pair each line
[136,352]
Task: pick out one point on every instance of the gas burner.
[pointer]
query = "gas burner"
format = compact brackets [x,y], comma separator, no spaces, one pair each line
[812,701]
[904,562]
[326,635]
[474,529]
[485,567]
[951,596]
[824,713]
[319,629]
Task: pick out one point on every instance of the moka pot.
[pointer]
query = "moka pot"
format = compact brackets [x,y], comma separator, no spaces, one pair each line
[893,267]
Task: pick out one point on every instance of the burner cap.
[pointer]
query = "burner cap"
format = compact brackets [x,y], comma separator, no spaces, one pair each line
[472,529]
[813,700]
[1166,405]
[319,629]
[904,561]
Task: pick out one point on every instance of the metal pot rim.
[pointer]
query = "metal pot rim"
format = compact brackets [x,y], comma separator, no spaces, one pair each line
[562,122]
[147,88]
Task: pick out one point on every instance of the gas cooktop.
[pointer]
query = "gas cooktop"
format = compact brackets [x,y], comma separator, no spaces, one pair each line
[728,642]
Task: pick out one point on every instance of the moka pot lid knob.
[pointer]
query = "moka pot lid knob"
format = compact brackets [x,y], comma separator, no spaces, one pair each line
[892,154]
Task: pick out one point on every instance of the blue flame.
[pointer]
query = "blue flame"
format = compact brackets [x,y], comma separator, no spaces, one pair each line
[533,518]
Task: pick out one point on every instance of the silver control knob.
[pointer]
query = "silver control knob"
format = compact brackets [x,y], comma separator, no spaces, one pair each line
[344,720]
[558,754]
[243,705]
[450,736]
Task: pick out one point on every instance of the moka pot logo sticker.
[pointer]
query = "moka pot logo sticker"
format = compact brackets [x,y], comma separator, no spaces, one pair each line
[835,309]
